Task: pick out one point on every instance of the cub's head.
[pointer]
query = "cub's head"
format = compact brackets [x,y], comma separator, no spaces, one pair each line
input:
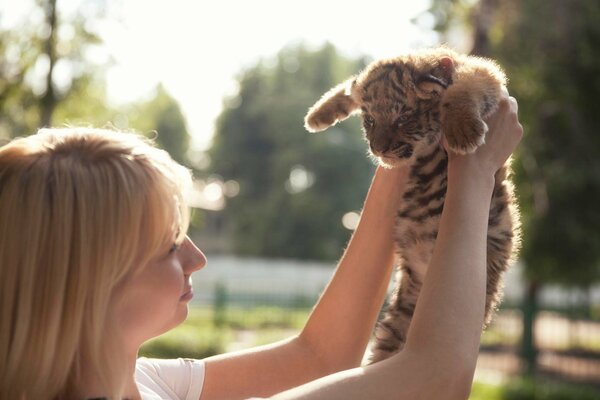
[399,101]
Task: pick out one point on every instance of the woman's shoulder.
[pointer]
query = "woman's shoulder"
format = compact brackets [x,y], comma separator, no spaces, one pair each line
[180,378]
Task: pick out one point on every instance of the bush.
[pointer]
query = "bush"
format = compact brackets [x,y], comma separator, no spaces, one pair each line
[198,337]
[527,389]
[265,317]
[186,343]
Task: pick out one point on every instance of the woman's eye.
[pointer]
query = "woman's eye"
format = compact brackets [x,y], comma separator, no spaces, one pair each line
[173,248]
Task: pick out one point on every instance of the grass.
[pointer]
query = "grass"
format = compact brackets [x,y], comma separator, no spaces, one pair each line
[195,338]
[590,344]
[209,331]
[206,332]
[260,318]
[526,389]
[481,391]
[496,336]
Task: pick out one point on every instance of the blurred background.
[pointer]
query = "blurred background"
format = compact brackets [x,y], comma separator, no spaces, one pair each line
[224,86]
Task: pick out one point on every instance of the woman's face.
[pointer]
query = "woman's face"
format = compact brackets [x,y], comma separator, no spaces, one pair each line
[155,299]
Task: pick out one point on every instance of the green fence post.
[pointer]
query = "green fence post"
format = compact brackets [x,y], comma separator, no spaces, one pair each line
[220,305]
[528,349]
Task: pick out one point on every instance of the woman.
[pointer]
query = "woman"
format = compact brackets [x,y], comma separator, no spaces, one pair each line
[94,261]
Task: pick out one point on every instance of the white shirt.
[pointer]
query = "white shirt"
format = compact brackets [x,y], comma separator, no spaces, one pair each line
[177,379]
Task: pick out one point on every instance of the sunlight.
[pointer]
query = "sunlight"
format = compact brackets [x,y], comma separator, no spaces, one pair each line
[300,179]
[197,49]
[350,220]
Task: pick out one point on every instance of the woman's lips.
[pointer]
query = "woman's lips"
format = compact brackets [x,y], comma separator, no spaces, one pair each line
[187,295]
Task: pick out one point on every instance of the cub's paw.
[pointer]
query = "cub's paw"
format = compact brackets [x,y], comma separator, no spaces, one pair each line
[464,132]
[319,121]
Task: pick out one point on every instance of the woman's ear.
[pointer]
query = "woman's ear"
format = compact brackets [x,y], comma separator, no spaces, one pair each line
[335,105]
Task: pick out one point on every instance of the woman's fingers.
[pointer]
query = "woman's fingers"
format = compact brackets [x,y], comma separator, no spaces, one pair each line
[504,133]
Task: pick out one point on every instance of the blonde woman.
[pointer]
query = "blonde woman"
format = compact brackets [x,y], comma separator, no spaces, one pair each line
[94,260]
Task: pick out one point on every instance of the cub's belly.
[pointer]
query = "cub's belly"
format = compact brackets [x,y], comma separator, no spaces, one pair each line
[415,242]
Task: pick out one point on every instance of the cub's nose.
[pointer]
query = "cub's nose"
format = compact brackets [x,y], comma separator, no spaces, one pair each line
[380,145]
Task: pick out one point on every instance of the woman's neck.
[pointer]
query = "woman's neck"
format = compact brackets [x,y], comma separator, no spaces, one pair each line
[91,388]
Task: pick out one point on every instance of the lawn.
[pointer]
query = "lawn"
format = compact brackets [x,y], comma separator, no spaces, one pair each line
[207,332]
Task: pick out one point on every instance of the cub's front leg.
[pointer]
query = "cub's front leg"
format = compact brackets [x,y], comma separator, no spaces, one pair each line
[464,106]
[461,122]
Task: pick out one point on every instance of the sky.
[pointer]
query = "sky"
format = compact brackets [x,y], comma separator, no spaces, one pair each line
[196,48]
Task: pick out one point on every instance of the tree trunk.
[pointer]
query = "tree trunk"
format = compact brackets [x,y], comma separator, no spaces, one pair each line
[482,22]
[48,101]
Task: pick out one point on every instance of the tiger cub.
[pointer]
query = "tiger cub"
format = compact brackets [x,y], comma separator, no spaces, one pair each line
[406,104]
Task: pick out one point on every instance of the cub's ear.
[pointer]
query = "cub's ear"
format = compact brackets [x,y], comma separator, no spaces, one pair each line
[432,82]
[335,105]
[446,66]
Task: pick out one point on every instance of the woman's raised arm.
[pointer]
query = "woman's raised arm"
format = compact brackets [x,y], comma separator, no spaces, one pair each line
[338,330]
[441,349]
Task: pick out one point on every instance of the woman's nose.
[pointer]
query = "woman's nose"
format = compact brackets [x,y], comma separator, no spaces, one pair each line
[193,258]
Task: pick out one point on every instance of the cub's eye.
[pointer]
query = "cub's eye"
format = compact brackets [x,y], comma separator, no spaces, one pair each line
[401,119]
[368,121]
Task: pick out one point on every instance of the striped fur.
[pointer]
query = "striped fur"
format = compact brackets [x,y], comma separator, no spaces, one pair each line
[406,103]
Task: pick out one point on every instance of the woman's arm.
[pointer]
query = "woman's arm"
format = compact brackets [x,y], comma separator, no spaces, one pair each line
[452,323]
[338,330]
[439,357]
[440,354]
[443,337]
[340,326]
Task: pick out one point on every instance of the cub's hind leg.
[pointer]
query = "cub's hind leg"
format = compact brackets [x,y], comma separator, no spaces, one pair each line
[503,240]
[391,331]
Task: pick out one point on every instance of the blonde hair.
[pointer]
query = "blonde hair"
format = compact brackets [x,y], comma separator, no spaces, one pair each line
[80,209]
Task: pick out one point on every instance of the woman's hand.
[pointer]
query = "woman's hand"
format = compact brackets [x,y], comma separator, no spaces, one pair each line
[504,133]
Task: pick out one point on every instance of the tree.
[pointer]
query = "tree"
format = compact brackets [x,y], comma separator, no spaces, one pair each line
[555,75]
[161,116]
[31,95]
[294,187]
[560,168]
[49,100]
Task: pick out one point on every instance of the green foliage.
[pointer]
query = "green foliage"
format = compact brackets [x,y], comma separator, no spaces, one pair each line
[555,74]
[199,337]
[187,342]
[79,96]
[260,139]
[260,318]
[448,14]
[161,117]
[195,338]
[18,53]
[482,391]
[526,389]
[494,336]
